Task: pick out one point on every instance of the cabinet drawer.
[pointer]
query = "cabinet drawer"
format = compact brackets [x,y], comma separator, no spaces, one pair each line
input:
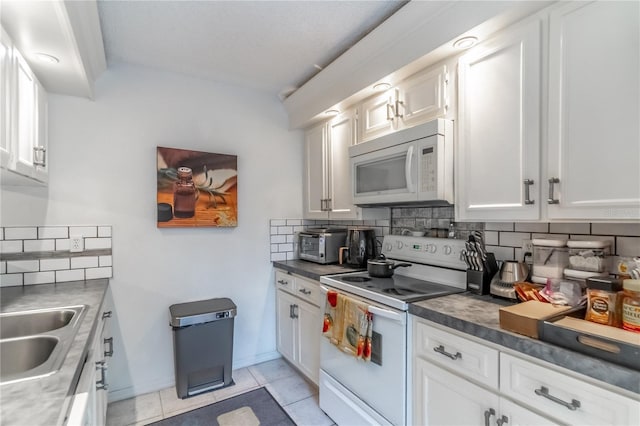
[308,290]
[462,356]
[285,281]
[564,398]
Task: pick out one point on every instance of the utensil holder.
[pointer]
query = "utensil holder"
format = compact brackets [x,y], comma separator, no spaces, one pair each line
[478,281]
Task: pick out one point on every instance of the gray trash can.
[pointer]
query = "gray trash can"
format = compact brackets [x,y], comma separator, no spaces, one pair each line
[202,345]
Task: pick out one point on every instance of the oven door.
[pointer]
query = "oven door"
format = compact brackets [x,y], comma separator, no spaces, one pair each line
[361,392]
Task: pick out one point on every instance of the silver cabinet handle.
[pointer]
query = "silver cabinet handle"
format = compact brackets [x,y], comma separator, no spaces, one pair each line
[283,282]
[290,311]
[502,420]
[487,415]
[295,311]
[398,104]
[552,182]
[527,197]
[109,341]
[390,112]
[39,151]
[102,383]
[544,392]
[106,314]
[329,205]
[305,291]
[440,350]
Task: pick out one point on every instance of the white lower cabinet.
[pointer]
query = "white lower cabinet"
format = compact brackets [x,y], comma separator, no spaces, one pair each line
[299,322]
[457,382]
[89,404]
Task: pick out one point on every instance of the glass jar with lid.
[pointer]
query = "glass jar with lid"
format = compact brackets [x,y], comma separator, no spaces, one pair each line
[590,256]
[631,305]
[550,257]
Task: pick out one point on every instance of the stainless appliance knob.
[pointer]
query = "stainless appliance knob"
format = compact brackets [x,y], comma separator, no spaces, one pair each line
[447,250]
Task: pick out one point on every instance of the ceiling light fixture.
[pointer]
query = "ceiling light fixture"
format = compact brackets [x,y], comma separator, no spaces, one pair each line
[381,86]
[44,57]
[465,42]
[332,112]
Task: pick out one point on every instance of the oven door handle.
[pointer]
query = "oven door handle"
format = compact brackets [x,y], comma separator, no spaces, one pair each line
[384,313]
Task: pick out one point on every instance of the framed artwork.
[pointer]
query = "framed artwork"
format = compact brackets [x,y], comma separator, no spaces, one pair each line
[196,188]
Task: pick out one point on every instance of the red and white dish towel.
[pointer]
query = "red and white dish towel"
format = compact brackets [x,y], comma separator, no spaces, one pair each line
[348,324]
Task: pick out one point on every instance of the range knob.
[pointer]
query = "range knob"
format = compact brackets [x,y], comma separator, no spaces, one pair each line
[388,247]
[431,248]
[399,244]
[447,250]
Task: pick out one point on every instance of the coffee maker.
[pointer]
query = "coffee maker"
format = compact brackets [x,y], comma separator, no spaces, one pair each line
[361,245]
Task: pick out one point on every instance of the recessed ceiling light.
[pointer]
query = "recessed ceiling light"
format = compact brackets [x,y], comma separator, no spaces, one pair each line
[381,86]
[465,42]
[332,112]
[43,57]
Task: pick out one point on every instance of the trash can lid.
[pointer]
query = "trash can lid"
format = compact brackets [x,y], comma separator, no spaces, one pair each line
[201,311]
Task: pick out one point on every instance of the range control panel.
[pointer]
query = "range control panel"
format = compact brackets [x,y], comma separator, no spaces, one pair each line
[444,252]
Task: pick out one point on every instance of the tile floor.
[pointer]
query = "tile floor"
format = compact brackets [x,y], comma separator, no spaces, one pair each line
[297,396]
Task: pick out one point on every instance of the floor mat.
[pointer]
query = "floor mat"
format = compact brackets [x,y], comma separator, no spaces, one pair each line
[256,407]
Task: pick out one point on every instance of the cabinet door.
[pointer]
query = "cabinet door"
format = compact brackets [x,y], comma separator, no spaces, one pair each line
[341,137]
[594,102]
[7,73]
[315,180]
[41,169]
[422,97]
[442,398]
[376,116]
[285,325]
[26,120]
[499,127]
[309,328]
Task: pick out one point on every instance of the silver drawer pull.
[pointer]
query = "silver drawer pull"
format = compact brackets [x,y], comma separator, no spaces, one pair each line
[305,291]
[440,350]
[527,197]
[106,314]
[552,182]
[502,420]
[283,282]
[109,341]
[487,415]
[102,383]
[544,392]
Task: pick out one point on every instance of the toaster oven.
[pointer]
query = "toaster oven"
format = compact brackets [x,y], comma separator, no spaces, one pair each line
[321,245]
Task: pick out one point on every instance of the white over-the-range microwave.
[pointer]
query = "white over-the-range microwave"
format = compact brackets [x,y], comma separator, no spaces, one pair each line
[411,166]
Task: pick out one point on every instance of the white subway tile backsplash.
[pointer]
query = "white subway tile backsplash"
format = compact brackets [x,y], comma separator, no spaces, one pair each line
[628,246]
[531,227]
[3,267]
[84,262]
[1,234]
[513,239]
[21,233]
[502,253]
[83,231]
[570,228]
[277,239]
[297,229]
[283,230]
[62,245]
[491,238]
[70,275]
[383,222]
[273,230]
[278,256]
[11,246]
[95,273]
[10,280]
[290,239]
[274,248]
[499,226]
[46,232]
[551,236]
[104,231]
[105,261]
[278,222]
[54,264]
[293,222]
[285,247]
[39,245]
[620,229]
[39,277]
[291,255]
[18,266]
[97,243]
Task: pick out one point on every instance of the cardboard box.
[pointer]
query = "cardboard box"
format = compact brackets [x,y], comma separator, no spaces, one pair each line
[524,318]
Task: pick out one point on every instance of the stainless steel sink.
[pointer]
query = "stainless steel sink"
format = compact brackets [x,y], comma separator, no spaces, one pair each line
[28,323]
[35,343]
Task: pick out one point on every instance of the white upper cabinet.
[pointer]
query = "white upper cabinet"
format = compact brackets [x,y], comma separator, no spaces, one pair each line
[594,97]
[416,100]
[497,156]
[23,111]
[327,186]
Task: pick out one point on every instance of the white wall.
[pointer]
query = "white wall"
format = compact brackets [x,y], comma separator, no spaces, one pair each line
[102,171]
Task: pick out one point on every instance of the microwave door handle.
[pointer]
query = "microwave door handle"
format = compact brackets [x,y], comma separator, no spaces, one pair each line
[408,169]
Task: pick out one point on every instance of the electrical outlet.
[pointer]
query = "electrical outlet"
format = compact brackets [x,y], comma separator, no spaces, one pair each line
[76,244]
[527,246]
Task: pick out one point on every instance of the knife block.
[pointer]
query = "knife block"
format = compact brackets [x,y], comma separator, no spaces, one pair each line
[478,281]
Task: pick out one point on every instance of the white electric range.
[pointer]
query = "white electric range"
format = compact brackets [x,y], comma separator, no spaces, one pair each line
[356,392]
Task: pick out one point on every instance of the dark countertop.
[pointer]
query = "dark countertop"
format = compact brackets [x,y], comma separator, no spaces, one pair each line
[479,317]
[44,401]
[313,270]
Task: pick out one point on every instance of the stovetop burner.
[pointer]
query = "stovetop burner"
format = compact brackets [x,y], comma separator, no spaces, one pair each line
[357,279]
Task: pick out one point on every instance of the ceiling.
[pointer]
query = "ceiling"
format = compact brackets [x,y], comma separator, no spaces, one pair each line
[275,46]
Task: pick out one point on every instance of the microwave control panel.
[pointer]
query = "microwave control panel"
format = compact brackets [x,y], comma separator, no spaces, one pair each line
[428,165]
